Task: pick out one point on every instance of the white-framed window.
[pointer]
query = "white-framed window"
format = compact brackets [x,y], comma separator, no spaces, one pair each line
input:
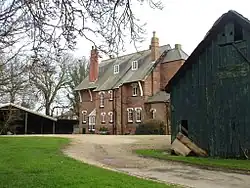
[153,113]
[102,93]
[110,95]
[103,114]
[111,118]
[130,114]
[84,116]
[134,90]
[138,115]
[134,65]
[91,123]
[116,69]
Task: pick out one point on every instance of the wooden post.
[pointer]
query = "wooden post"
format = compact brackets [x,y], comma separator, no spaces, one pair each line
[26,123]
[42,126]
[54,127]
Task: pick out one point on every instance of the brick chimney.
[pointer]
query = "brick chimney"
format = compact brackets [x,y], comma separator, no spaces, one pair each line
[93,66]
[155,54]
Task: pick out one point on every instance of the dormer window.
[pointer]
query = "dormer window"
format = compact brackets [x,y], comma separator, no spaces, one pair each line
[116,69]
[134,65]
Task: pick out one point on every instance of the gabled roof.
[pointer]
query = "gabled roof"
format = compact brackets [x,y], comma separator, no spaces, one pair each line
[27,110]
[108,80]
[160,96]
[225,18]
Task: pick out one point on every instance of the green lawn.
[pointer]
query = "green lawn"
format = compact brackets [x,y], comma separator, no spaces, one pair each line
[37,162]
[203,162]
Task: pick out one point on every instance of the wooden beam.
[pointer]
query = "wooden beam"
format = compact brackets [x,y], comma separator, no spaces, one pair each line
[26,123]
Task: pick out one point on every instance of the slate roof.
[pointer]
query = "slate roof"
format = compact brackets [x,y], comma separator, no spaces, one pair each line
[108,80]
[160,96]
[226,17]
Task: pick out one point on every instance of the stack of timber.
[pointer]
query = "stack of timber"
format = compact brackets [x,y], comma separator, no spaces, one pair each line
[182,145]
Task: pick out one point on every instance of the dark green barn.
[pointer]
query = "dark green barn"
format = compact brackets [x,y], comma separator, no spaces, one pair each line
[210,93]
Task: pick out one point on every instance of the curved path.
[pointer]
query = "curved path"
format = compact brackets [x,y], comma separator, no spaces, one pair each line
[115,152]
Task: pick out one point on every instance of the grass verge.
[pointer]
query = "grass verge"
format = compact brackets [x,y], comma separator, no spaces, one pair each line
[35,162]
[214,163]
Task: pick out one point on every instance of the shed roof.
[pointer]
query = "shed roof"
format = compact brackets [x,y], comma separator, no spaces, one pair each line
[27,110]
[160,96]
[108,80]
[225,18]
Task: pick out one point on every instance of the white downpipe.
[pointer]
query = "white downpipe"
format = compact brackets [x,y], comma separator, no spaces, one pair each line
[140,86]
[90,94]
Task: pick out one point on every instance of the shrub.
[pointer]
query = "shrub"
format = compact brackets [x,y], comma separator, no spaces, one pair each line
[151,126]
[103,130]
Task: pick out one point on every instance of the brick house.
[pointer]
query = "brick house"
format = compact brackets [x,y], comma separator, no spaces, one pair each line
[121,92]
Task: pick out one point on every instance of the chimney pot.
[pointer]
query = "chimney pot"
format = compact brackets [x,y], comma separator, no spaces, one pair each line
[177,46]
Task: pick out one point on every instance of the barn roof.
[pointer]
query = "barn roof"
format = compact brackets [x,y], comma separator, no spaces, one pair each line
[226,17]
[27,110]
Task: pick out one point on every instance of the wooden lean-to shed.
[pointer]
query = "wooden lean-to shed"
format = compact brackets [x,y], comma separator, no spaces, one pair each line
[25,121]
[210,93]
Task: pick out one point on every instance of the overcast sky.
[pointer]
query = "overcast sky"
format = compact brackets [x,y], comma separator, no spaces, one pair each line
[181,21]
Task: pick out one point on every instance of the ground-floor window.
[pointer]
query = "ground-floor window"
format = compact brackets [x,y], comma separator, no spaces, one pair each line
[110,117]
[130,115]
[153,113]
[103,114]
[92,123]
[138,115]
[84,116]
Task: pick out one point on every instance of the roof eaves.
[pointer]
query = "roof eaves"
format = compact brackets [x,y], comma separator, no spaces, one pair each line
[28,110]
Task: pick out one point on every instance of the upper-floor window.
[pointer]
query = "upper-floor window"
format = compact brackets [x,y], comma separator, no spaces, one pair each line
[101,99]
[130,114]
[153,113]
[134,90]
[134,65]
[110,95]
[116,69]
[84,116]
[103,114]
[138,115]
[110,117]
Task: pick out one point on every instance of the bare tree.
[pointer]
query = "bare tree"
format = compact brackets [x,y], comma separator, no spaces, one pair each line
[13,80]
[48,76]
[77,70]
[57,23]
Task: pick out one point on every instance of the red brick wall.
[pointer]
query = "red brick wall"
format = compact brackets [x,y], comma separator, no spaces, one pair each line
[168,70]
[123,99]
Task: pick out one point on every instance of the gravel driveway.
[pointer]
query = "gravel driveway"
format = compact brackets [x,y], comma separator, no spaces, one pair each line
[115,152]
